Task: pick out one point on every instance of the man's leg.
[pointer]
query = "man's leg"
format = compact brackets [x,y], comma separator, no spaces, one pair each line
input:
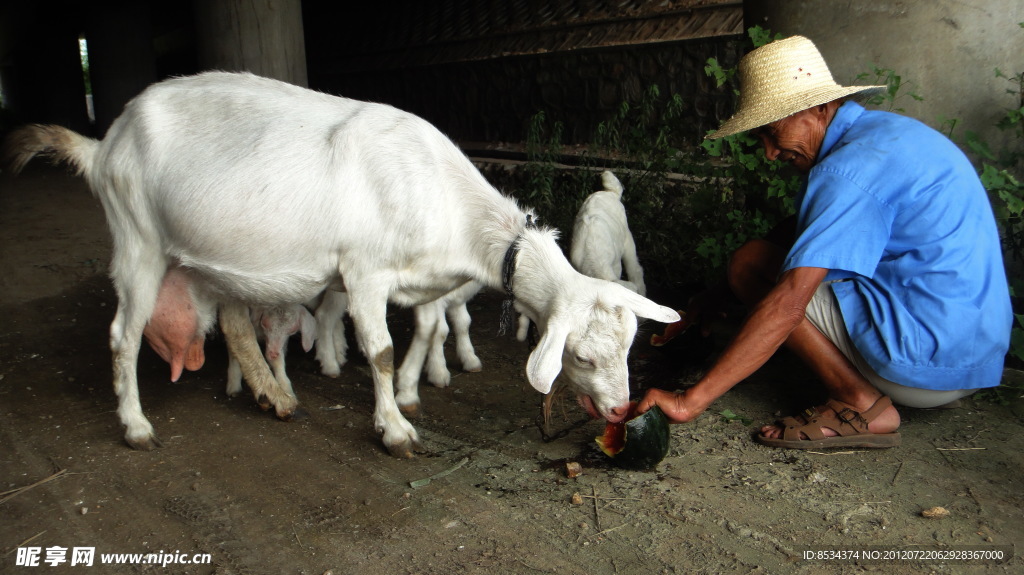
[752,273]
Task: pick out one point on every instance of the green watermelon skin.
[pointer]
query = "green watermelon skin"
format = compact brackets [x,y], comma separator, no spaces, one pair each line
[646,441]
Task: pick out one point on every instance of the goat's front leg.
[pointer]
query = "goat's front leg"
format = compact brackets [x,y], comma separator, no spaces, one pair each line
[370,317]
[241,339]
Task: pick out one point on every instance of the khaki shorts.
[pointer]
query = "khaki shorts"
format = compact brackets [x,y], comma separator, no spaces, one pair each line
[823,312]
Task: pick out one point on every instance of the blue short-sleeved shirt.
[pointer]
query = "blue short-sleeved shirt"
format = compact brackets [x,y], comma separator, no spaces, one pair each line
[897,209]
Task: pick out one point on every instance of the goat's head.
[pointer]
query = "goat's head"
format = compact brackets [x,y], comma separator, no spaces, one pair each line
[587,336]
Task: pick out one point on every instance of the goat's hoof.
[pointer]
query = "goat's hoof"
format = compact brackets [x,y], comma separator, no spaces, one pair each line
[288,414]
[405,449]
[401,450]
[146,443]
[410,411]
[440,378]
[473,366]
[297,415]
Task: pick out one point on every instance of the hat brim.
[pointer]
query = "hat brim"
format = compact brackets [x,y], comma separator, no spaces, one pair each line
[758,114]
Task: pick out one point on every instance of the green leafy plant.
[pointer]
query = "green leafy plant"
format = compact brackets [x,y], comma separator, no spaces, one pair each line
[1007,392]
[543,147]
[895,88]
[688,208]
[760,192]
[1001,175]
[637,142]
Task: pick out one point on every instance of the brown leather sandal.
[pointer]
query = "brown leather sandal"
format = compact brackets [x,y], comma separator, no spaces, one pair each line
[804,431]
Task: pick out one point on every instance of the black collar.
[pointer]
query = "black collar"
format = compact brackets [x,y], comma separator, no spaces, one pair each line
[508,268]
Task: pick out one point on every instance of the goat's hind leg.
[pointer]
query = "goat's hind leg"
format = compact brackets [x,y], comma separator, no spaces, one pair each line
[331,346]
[135,303]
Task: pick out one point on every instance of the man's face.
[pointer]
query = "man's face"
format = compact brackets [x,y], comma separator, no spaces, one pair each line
[796,139]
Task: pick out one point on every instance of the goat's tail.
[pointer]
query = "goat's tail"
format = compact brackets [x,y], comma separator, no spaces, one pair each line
[611,183]
[61,144]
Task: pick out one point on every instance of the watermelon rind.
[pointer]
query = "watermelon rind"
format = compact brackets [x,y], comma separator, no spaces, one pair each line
[646,442]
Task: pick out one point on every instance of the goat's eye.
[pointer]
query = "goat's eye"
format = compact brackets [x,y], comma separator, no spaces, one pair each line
[583,361]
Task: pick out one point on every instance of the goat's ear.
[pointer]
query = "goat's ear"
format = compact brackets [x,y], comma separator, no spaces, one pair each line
[546,360]
[644,307]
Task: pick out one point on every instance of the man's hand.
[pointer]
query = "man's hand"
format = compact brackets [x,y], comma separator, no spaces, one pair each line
[678,406]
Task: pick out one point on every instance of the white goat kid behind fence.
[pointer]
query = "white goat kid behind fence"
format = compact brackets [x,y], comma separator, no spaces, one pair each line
[201,170]
[602,244]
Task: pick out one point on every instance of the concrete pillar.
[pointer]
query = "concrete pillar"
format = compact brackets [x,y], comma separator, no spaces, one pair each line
[946,50]
[264,37]
[122,61]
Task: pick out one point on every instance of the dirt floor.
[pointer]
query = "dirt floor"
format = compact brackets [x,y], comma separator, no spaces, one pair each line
[321,494]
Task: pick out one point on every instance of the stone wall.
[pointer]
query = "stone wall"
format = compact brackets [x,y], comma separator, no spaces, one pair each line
[946,51]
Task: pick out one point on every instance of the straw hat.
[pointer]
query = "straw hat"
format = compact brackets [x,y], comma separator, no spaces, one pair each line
[780,79]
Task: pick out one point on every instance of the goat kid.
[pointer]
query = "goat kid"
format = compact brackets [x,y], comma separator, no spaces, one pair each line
[275,325]
[602,245]
[426,351]
[194,171]
[173,331]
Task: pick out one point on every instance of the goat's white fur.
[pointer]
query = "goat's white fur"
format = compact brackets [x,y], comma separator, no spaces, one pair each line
[426,351]
[268,192]
[602,244]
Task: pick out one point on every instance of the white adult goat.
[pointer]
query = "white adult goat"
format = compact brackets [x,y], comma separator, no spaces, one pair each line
[267,192]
